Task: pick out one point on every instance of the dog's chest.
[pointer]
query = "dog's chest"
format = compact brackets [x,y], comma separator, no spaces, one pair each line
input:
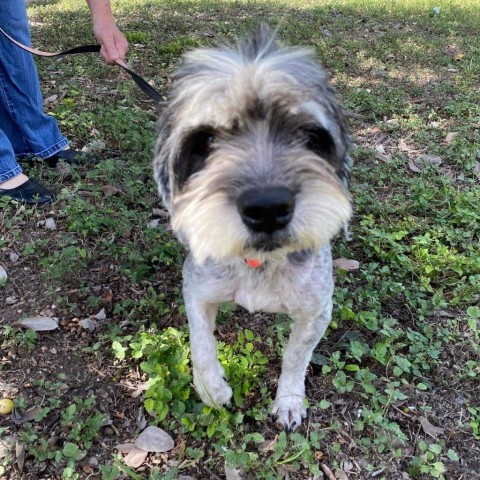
[266,294]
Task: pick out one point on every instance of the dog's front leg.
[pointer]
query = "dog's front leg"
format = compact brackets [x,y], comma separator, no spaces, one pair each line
[290,402]
[207,371]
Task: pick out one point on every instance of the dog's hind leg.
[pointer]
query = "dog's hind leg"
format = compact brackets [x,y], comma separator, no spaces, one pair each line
[290,401]
[207,371]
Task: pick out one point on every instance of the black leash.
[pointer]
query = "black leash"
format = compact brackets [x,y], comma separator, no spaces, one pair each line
[140,81]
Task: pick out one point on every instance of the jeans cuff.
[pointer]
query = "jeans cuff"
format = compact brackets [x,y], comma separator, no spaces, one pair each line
[58,147]
[10,174]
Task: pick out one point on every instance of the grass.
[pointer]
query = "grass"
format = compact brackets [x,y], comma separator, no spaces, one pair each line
[402,354]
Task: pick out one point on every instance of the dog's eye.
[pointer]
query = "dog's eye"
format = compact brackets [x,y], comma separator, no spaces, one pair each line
[320,142]
[195,151]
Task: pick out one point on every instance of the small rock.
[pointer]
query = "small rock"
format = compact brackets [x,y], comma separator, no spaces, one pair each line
[11,300]
[50,224]
[154,223]
[14,257]
[154,439]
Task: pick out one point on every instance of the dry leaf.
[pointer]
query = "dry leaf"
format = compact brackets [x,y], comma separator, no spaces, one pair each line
[154,439]
[28,415]
[429,429]
[7,445]
[403,146]
[267,445]
[109,190]
[20,455]
[51,99]
[232,473]
[139,389]
[125,447]
[450,137]
[413,166]
[341,475]
[384,157]
[346,264]
[135,457]
[101,315]
[88,324]
[429,158]
[38,324]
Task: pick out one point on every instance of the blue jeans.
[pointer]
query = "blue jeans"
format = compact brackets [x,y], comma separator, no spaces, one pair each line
[25,130]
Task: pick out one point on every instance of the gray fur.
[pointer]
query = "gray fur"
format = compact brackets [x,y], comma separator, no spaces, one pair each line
[248,117]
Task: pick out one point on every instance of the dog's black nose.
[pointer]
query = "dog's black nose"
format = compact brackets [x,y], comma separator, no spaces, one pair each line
[266,209]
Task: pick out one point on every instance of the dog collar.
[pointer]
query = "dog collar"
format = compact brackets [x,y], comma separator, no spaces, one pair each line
[253,262]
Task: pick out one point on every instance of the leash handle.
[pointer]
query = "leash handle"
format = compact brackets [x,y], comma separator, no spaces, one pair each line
[140,81]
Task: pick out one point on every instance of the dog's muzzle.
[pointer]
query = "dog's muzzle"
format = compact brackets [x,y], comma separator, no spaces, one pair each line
[266,210]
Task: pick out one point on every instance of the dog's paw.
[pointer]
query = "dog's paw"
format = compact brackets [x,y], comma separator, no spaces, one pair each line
[290,410]
[212,388]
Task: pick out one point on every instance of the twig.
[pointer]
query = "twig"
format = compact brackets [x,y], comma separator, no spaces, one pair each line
[328,472]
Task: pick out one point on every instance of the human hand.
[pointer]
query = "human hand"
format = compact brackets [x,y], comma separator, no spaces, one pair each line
[113,43]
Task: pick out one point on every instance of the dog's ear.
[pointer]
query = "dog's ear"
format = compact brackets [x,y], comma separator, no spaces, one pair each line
[161,162]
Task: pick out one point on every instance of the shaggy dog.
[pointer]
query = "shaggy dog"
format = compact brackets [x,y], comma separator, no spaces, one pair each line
[251,162]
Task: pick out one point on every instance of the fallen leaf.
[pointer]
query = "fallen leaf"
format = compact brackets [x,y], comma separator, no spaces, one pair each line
[14,257]
[51,99]
[380,148]
[232,473]
[403,146]
[429,429]
[101,315]
[140,388]
[88,324]
[429,158]
[26,416]
[346,264]
[141,421]
[135,457]
[413,166]
[107,296]
[20,455]
[154,439]
[450,137]
[267,445]
[7,445]
[109,190]
[38,324]
[125,447]
[341,475]
[384,157]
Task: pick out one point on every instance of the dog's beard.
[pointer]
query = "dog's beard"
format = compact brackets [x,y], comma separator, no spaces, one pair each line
[206,219]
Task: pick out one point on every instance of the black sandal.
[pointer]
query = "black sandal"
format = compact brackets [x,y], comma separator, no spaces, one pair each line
[30,192]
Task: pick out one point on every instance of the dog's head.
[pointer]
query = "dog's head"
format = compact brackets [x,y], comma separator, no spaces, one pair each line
[252,156]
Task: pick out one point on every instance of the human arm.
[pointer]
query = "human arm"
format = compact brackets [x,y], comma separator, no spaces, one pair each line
[113,42]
